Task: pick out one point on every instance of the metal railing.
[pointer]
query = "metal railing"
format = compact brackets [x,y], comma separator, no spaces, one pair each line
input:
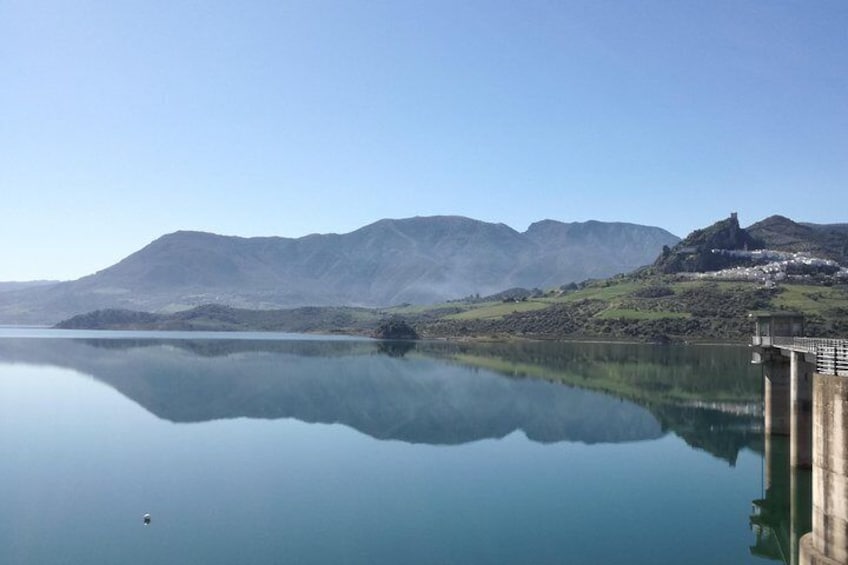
[831,354]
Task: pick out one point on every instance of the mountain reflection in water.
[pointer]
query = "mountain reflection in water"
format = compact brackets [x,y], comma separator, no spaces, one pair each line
[435,393]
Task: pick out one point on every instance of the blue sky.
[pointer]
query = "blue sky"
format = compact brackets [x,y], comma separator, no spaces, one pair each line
[122,121]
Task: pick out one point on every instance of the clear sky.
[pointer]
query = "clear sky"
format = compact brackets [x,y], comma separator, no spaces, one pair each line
[123,121]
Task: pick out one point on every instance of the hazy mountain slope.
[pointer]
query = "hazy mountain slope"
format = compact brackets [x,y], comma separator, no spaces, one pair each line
[20,285]
[416,260]
[841,228]
[581,250]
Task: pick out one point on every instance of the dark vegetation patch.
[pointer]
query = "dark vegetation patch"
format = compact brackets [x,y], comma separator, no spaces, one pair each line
[214,317]
[395,328]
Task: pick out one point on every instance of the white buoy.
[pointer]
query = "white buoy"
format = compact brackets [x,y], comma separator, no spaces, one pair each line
[147,519]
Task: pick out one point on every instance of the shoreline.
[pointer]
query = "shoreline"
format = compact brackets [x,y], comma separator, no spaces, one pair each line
[353,333]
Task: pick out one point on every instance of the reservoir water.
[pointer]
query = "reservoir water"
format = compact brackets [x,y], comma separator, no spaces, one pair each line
[263,448]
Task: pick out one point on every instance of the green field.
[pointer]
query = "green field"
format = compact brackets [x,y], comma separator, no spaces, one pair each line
[811,299]
[493,310]
[608,292]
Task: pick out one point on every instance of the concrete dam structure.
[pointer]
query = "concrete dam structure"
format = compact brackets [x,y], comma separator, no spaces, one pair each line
[806,399]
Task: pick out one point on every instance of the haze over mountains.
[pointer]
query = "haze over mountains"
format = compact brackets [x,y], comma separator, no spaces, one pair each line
[419,260]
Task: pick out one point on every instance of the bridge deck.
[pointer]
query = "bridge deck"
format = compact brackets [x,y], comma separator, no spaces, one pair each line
[831,354]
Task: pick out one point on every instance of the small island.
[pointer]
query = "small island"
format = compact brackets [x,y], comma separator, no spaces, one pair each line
[395,329]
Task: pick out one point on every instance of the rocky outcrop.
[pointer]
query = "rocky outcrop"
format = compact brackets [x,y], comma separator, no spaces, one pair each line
[695,253]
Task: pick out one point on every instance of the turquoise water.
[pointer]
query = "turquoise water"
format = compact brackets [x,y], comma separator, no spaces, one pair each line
[345,451]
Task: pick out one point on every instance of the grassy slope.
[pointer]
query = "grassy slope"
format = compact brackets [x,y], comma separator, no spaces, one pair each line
[815,300]
[626,308]
[496,310]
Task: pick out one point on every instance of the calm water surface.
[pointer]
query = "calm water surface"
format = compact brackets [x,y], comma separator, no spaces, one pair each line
[294,450]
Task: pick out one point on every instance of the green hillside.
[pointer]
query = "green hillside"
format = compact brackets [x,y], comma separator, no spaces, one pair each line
[654,308]
[643,308]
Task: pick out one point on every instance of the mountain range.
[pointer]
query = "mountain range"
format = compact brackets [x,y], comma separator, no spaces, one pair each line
[421,260]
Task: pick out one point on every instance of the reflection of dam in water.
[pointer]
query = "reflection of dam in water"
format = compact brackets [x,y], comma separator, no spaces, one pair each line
[784,513]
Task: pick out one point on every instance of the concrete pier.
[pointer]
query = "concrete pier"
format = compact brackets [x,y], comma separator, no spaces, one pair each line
[827,544]
[777,366]
[777,392]
[801,410]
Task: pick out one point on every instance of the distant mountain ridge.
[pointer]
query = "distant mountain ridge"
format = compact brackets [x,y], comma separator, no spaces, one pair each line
[418,260]
[20,285]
